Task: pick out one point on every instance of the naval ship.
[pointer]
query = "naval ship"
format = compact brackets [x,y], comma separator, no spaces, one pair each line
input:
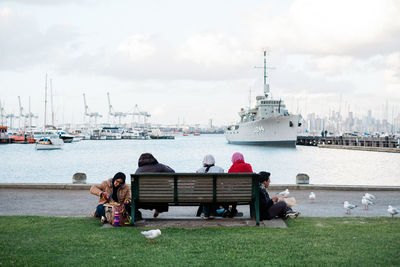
[269,123]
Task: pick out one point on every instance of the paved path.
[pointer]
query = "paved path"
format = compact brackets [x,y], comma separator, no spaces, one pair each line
[80,203]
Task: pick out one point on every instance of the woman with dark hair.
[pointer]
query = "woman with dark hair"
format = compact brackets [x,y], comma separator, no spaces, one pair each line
[112,190]
[148,163]
[270,207]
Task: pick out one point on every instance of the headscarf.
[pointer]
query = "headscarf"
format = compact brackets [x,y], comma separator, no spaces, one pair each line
[118,175]
[146,159]
[208,162]
[237,156]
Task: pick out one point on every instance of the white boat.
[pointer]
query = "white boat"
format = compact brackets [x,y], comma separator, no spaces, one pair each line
[269,123]
[134,134]
[111,133]
[66,137]
[49,142]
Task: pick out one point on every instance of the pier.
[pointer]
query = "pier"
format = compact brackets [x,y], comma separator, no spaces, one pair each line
[367,143]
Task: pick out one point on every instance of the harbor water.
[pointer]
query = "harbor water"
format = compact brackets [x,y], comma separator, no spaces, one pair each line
[101,159]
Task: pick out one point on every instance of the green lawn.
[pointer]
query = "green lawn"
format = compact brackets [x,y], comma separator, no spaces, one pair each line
[38,241]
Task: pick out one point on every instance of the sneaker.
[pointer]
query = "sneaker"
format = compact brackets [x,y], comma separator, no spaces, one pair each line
[211,217]
[292,214]
[203,216]
[103,220]
[239,214]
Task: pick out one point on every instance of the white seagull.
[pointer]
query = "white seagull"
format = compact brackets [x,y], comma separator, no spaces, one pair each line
[311,197]
[348,206]
[370,197]
[151,234]
[284,193]
[392,210]
[366,202]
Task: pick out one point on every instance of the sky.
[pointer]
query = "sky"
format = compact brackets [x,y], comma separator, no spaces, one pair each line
[192,61]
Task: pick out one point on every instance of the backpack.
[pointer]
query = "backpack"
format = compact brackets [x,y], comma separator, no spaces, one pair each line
[123,214]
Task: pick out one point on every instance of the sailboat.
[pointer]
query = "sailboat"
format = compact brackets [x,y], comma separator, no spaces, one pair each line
[48,142]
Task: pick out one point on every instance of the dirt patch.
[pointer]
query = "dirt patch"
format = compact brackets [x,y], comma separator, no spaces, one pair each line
[199,223]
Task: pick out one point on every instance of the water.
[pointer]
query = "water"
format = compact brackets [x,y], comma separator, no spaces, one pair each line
[102,159]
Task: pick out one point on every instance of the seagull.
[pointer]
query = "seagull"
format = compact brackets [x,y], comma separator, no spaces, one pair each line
[365,201]
[311,197]
[369,197]
[151,234]
[392,210]
[284,193]
[348,207]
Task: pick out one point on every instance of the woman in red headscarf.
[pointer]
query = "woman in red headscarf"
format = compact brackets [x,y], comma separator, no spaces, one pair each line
[238,165]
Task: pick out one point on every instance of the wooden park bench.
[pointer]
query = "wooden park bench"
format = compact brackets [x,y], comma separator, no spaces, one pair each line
[193,189]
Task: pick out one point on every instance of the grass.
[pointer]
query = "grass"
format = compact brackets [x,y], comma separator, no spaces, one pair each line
[38,241]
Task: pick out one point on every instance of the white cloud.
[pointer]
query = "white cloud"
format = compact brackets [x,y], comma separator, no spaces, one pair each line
[24,45]
[137,47]
[332,64]
[338,27]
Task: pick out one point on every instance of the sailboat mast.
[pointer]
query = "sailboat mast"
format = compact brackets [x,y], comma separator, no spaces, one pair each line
[45,105]
[51,100]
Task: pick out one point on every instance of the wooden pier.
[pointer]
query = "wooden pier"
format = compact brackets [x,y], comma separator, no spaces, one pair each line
[367,143]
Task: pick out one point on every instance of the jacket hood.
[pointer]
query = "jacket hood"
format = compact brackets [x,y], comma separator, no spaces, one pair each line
[146,159]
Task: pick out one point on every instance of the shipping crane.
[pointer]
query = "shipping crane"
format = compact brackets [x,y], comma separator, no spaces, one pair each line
[94,115]
[140,114]
[2,115]
[113,113]
[29,115]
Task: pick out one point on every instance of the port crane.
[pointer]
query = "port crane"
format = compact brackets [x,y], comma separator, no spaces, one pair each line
[113,113]
[94,115]
[140,114]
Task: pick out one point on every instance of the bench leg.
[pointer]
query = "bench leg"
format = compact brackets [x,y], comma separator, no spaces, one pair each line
[133,212]
[252,209]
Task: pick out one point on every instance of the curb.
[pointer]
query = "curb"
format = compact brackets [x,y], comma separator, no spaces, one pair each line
[272,187]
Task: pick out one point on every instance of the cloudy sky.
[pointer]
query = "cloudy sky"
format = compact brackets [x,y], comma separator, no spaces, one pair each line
[194,60]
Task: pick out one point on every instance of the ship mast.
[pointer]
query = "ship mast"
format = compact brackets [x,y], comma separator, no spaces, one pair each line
[266,86]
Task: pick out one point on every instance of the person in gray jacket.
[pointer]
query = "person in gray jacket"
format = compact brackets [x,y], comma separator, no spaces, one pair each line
[207,211]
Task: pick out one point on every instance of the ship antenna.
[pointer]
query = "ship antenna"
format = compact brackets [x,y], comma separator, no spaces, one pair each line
[266,88]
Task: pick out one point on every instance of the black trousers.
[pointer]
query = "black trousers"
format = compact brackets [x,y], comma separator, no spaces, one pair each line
[279,209]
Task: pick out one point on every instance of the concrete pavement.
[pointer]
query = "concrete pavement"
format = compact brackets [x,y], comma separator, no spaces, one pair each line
[78,202]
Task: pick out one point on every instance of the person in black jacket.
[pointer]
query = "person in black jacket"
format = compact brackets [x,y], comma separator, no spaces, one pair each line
[148,163]
[271,207]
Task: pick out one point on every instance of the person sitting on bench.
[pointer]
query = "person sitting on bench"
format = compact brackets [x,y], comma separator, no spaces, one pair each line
[148,163]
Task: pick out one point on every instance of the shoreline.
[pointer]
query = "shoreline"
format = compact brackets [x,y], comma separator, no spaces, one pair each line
[63,186]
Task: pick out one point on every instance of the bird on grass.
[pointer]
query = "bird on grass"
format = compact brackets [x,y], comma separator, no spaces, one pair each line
[366,202]
[311,197]
[348,207]
[370,197]
[151,234]
[284,193]
[392,210]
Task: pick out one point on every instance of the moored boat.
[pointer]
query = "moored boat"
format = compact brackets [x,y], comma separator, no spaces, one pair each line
[49,143]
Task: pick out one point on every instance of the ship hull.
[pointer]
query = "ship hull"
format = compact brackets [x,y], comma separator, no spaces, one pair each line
[275,131]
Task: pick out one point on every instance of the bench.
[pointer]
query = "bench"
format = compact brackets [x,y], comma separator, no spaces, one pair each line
[192,189]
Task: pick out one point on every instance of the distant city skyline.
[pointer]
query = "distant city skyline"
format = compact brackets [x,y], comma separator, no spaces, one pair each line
[195,61]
